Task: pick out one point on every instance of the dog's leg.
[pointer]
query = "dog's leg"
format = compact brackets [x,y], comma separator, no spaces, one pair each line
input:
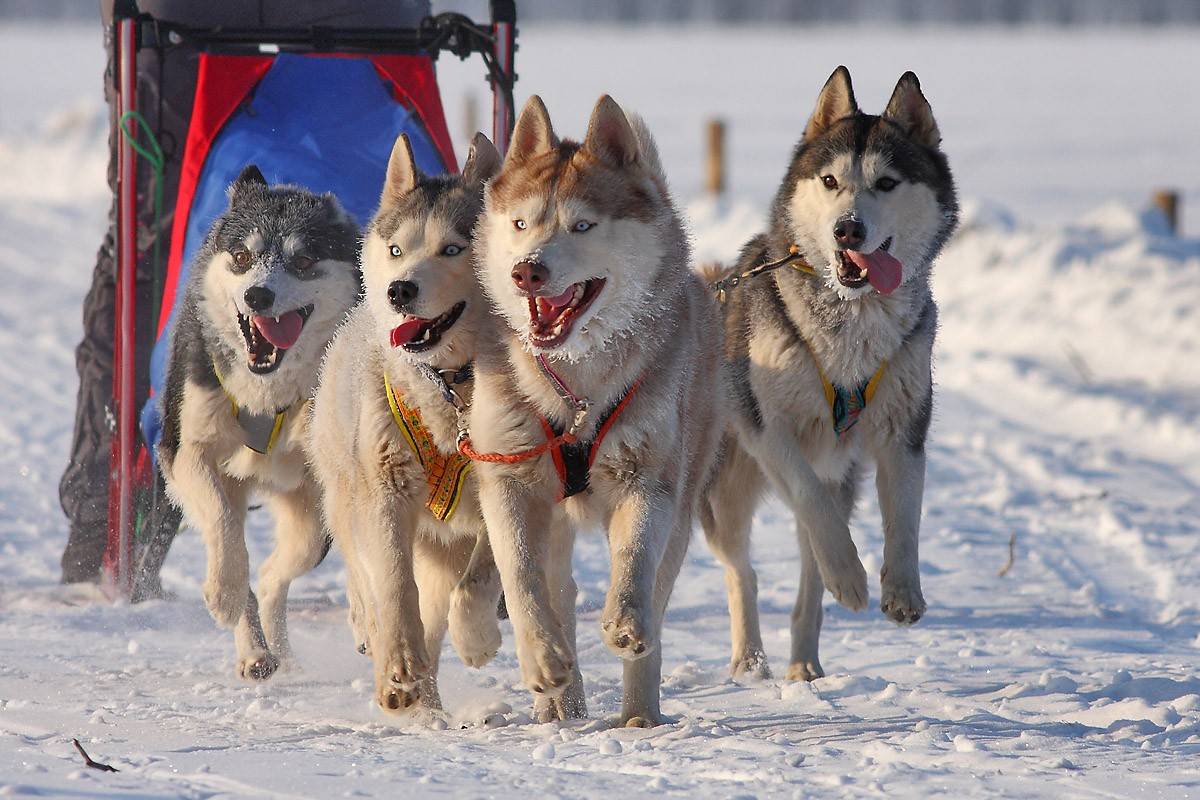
[300,544]
[216,506]
[518,529]
[726,514]
[436,566]
[339,508]
[900,481]
[642,678]
[398,640]
[255,660]
[474,626]
[784,464]
[808,612]
[571,704]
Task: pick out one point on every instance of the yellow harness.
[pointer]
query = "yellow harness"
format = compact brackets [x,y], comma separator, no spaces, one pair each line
[445,473]
[845,405]
[259,430]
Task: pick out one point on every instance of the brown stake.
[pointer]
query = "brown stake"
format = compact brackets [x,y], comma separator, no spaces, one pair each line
[88,759]
[1167,201]
[715,180]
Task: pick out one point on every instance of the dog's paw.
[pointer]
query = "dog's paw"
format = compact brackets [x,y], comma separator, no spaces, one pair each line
[807,670]
[474,629]
[402,670]
[547,669]
[901,599]
[567,706]
[397,700]
[752,663]
[257,666]
[846,580]
[627,632]
[226,599]
[364,648]
[644,719]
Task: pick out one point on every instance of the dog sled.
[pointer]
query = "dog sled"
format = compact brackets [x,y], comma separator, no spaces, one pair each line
[318,107]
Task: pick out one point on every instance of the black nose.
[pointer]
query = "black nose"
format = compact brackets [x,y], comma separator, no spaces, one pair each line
[259,298]
[850,233]
[401,293]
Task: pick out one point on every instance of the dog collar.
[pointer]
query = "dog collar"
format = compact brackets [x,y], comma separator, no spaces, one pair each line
[260,429]
[445,473]
[845,405]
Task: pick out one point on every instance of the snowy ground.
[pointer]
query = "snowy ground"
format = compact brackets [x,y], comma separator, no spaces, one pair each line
[1068,415]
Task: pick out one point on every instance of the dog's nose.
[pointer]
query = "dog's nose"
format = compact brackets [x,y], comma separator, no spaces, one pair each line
[850,233]
[259,298]
[401,293]
[530,276]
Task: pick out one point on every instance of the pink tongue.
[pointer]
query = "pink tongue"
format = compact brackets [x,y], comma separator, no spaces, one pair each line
[403,333]
[563,299]
[883,270]
[282,332]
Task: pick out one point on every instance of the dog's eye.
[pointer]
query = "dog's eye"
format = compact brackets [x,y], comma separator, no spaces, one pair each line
[583,226]
[451,250]
[886,184]
[829,181]
[394,250]
[303,263]
[520,224]
[241,258]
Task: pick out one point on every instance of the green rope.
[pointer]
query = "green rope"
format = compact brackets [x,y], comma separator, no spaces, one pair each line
[152,152]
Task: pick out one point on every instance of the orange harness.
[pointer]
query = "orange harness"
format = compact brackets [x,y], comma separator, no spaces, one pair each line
[445,473]
[573,460]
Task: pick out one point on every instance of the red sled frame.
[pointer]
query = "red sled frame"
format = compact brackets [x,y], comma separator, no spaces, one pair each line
[495,42]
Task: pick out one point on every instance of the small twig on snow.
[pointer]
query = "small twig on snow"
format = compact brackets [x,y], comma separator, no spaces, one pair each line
[88,759]
[1012,555]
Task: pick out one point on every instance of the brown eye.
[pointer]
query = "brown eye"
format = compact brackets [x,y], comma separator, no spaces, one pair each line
[303,263]
[241,258]
[886,184]
[829,181]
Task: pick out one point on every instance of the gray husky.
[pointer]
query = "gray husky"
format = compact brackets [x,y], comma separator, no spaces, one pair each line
[400,500]
[829,357]
[273,280]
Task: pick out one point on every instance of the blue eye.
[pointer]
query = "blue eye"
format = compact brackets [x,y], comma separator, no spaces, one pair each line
[451,250]
[520,224]
[583,226]
[394,250]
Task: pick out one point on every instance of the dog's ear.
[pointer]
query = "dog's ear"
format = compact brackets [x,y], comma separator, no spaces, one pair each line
[610,137]
[482,162]
[250,181]
[533,134]
[835,102]
[909,109]
[402,172]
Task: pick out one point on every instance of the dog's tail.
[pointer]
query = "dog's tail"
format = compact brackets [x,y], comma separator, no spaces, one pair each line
[647,149]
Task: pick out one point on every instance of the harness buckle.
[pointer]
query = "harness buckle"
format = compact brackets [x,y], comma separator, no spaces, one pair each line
[581,411]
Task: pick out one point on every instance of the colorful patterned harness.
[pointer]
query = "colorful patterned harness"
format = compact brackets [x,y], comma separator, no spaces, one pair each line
[847,404]
[445,473]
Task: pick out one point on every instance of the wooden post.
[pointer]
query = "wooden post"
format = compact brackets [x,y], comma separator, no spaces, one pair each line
[1167,201]
[715,179]
[470,115]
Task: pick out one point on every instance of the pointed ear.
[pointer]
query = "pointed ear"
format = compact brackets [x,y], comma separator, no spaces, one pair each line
[835,102]
[909,109]
[249,181]
[533,134]
[482,162]
[402,172]
[609,136]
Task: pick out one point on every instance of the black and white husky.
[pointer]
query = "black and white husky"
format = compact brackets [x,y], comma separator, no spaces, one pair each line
[829,357]
[275,277]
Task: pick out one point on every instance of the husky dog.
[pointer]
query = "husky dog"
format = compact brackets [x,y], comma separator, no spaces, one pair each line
[273,280]
[609,363]
[842,335]
[400,500]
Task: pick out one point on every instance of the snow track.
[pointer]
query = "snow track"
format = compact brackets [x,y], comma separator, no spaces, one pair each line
[1067,413]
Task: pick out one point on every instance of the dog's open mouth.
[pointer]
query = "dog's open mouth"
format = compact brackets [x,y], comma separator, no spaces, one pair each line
[269,338]
[880,268]
[417,335]
[551,318]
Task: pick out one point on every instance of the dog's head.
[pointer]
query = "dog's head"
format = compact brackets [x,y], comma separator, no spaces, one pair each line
[417,255]
[282,272]
[868,198]
[571,237]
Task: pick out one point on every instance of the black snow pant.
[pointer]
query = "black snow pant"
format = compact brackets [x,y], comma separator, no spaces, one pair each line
[166,88]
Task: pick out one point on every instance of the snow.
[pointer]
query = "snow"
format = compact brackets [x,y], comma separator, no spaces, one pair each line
[1068,417]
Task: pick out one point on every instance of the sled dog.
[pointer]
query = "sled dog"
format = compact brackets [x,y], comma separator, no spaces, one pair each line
[829,357]
[271,283]
[400,500]
[606,372]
